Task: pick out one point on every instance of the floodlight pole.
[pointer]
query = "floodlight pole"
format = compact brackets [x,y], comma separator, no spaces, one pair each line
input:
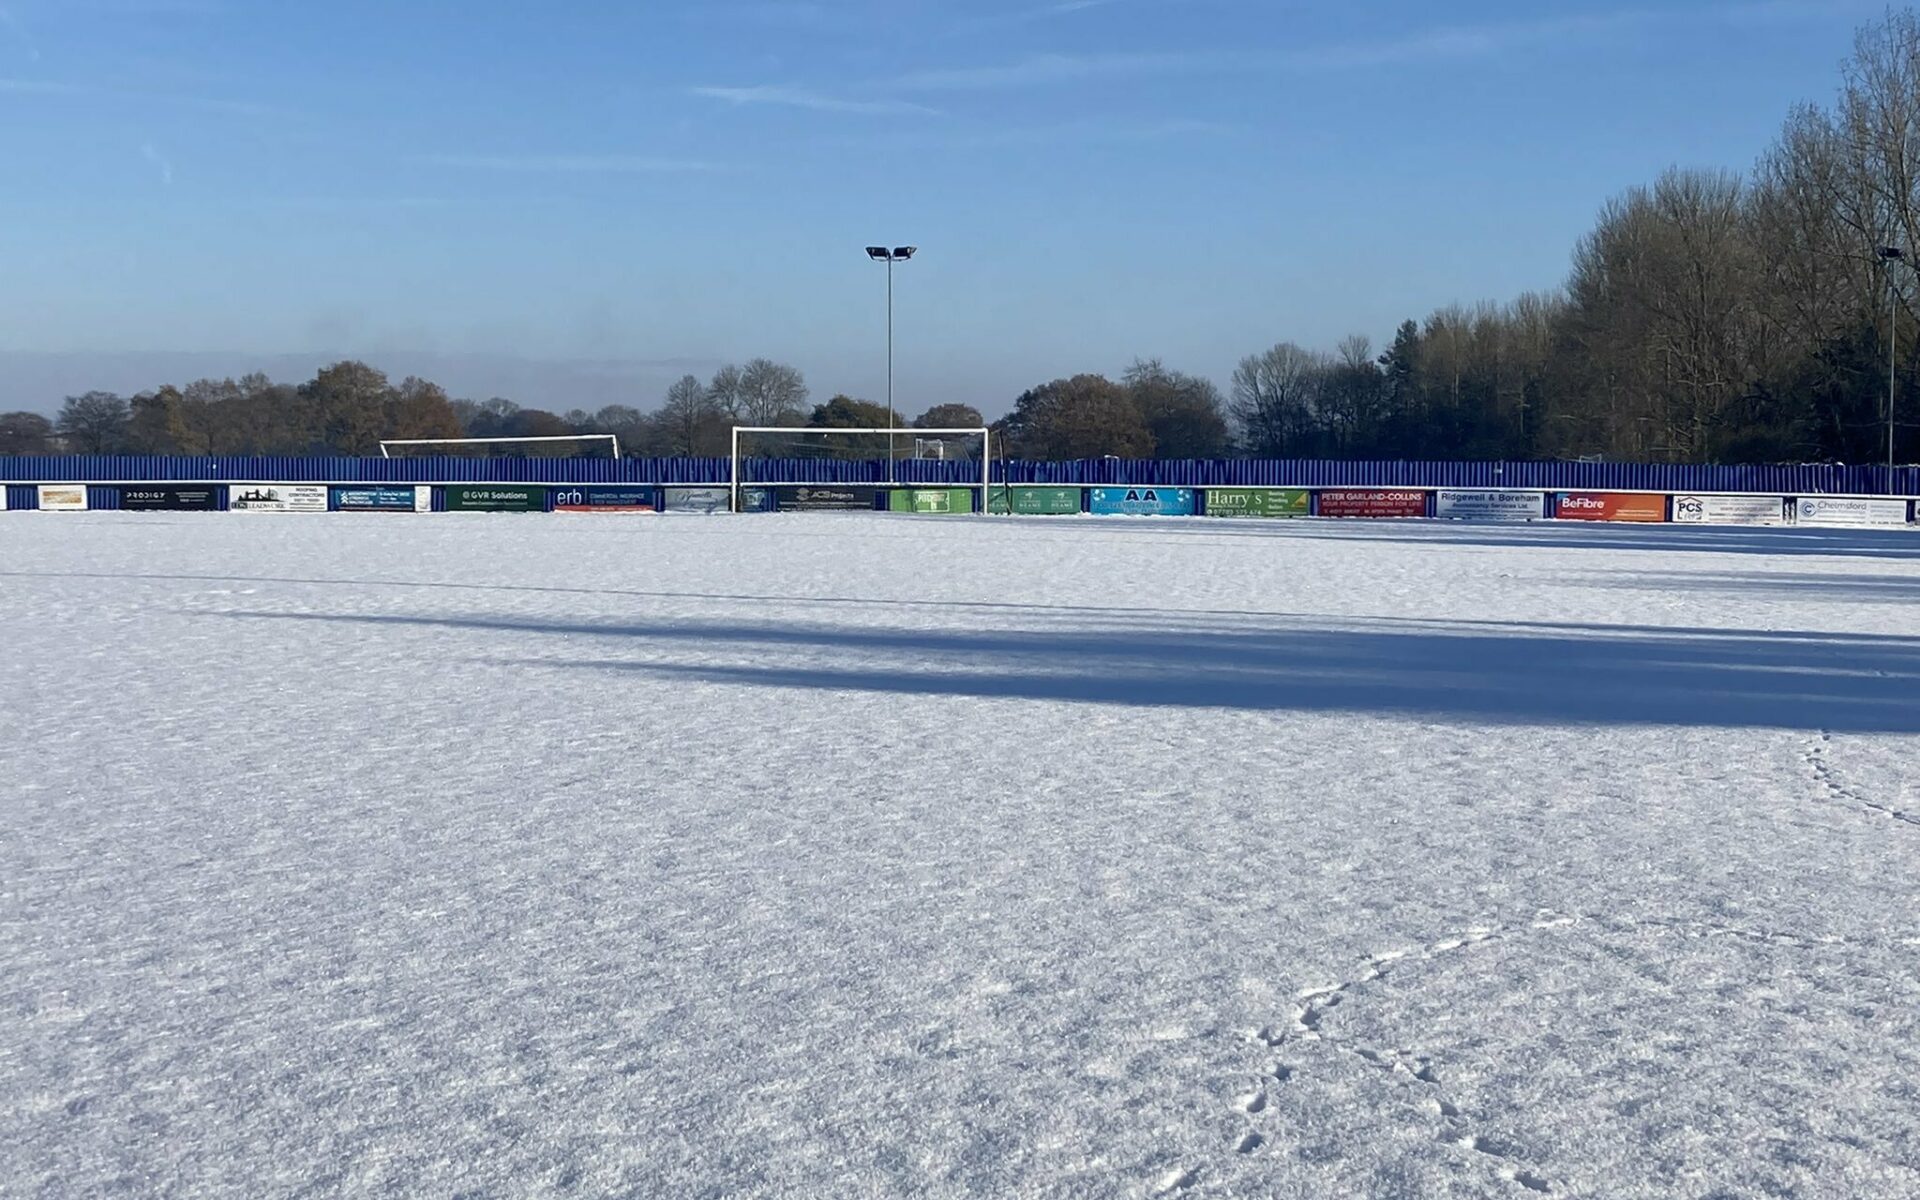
[1891,255]
[890,256]
[893,418]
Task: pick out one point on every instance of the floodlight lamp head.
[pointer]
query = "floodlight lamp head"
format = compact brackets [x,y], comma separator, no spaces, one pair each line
[906,252]
[877,253]
[1892,252]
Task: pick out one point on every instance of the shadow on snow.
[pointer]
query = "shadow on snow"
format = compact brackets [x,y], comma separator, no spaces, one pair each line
[1488,673]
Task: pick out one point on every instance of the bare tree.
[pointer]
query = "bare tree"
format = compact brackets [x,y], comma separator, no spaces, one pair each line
[1276,398]
[692,421]
[771,393]
[94,423]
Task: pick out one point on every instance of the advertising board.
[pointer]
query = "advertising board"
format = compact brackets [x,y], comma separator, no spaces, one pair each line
[3,497]
[1259,502]
[1847,512]
[1729,510]
[371,498]
[930,501]
[828,499]
[605,500]
[277,497]
[1354,503]
[496,497]
[696,500]
[148,497]
[1611,506]
[1489,506]
[63,497]
[1035,501]
[1142,502]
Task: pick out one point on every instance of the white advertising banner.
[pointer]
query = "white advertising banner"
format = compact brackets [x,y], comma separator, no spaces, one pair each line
[63,497]
[3,497]
[277,497]
[1490,506]
[1730,510]
[1849,512]
[697,499]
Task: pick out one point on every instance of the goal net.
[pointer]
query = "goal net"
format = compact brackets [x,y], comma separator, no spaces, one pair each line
[907,470]
[584,445]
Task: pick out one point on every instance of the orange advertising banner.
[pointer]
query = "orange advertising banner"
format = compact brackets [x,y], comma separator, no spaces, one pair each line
[1611,506]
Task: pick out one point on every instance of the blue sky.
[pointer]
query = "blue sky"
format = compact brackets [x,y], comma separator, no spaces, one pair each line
[565,201]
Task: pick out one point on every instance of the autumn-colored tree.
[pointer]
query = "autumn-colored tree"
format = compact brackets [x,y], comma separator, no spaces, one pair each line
[1184,413]
[25,433]
[950,416]
[1087,416]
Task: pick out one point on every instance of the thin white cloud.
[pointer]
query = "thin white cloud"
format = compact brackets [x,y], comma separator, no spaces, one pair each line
[1043,69]
[1072,6]
[1031,16]
[52,87]
[1074,133]
[1439,44]
[153,155]
[39,87]
[16,31]
[572,164]
[788,97]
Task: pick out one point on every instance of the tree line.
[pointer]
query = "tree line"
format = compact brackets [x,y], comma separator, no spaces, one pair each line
[1710,316]
[350,408]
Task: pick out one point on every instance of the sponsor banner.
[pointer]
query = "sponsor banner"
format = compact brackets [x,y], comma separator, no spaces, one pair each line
[604,499]
[829,499]
[380,499]
[1849,513]
[3,497]
[930,500]
[1031,501]
[170,498]
[1489,506]
[276,497]
[63,497]
[1142,502]
[700,500]
[1391,503]
[496,497]
[1259,502]
[1611,506]
[1729,510]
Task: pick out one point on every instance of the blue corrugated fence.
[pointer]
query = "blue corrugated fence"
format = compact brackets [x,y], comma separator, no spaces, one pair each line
[1786,480]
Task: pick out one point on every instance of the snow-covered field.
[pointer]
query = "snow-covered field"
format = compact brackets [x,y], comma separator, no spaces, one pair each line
[881,856]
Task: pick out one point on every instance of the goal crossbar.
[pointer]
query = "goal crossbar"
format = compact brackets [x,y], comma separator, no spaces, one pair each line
[986,452]
[499,441]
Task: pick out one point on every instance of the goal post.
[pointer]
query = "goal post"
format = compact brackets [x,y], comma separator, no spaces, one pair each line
[612,439]
[863,445]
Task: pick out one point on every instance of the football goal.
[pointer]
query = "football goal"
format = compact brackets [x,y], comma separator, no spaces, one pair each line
[923,460]
[591,438]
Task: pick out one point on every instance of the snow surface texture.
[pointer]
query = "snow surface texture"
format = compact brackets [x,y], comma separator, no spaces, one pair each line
[849,856]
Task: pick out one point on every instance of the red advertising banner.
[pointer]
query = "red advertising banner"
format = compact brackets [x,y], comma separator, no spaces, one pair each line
[1372,504]
[1611,506]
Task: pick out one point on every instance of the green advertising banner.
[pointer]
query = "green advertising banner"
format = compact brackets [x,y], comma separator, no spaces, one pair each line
[1035,501]
[931,500]
[1259,502]
[496,497]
